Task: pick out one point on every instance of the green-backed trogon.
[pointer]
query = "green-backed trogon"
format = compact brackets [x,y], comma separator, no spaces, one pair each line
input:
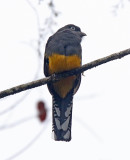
[63,52]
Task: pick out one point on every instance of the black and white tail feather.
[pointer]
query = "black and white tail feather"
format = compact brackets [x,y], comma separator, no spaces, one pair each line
[62,117]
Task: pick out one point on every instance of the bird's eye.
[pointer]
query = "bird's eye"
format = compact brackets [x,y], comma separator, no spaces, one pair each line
[72,27]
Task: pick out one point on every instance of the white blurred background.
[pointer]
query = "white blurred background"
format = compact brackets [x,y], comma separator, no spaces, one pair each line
[101,111]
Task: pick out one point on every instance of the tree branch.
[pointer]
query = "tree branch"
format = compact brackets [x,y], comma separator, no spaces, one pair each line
[56,77]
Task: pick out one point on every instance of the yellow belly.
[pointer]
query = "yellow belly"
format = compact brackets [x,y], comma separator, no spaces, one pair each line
[59,63]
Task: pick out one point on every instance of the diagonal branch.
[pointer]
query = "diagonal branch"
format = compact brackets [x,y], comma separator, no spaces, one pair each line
[59,76]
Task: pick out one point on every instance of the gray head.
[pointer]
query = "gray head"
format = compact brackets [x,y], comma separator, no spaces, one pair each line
[73,28]
[65,41]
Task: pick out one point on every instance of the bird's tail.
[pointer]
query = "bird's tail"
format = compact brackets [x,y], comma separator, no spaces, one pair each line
[62,117]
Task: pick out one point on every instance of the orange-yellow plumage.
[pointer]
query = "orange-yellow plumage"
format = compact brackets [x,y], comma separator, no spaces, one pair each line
[59,63]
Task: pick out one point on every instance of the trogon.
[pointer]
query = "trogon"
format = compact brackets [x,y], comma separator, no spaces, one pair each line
[63,52]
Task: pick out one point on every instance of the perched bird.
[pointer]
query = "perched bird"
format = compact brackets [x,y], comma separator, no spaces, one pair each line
[63,52]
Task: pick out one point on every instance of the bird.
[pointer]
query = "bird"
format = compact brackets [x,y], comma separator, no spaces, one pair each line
[63,52]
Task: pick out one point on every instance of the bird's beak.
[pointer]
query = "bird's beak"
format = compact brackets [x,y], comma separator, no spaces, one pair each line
[82,34]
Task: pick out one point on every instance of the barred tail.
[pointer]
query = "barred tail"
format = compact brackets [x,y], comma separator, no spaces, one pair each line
[62,117]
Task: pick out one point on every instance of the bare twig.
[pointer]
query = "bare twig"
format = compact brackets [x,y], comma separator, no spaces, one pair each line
[29,144]
[56,77]
[21,121]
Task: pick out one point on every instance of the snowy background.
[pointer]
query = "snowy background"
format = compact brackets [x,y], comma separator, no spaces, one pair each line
[101,112]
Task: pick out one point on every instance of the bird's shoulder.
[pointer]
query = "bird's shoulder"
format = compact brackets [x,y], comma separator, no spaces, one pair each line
[63,37]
